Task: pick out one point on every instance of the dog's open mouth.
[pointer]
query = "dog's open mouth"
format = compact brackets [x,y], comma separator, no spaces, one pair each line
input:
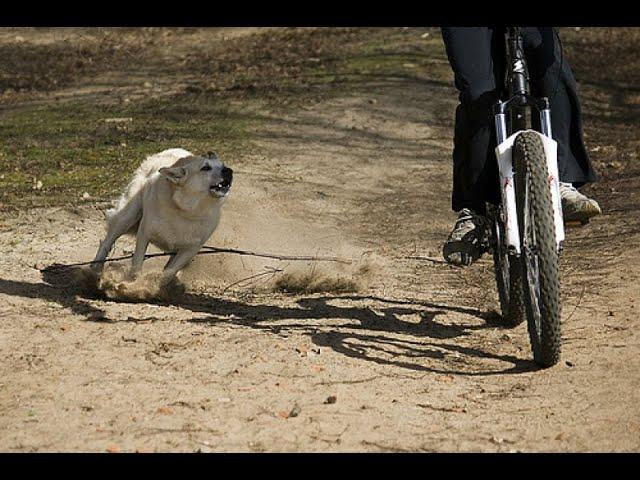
[221,189]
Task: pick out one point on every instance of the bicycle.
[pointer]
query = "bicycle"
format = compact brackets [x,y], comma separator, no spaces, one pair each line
[526,226]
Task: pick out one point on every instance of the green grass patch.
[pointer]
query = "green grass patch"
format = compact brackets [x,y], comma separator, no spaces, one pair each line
[387,55]
[55,154]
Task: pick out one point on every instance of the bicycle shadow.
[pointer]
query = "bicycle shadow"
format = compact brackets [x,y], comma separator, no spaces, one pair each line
[364,327]
[373,332]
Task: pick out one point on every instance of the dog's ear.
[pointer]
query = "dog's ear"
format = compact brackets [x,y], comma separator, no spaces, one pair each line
[176,174]
[212,155]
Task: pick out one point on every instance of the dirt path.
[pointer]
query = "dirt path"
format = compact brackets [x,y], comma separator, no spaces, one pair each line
[412,361]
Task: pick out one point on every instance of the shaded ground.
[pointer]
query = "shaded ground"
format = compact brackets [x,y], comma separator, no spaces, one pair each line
[341,141]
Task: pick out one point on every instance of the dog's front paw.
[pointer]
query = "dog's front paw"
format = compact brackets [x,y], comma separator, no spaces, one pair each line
[132,276]
[171,289]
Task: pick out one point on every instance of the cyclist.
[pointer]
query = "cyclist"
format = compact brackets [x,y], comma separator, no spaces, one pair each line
[477,56]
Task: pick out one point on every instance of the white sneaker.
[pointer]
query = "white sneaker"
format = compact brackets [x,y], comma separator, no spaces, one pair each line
[576,206]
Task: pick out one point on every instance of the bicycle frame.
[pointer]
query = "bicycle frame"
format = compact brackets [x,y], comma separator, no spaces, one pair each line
[519,106]
[521,101]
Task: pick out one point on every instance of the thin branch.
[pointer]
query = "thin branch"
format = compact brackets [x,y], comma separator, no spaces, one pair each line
[584,288]
[442,409]
[428,259]
[208,251]
[312,258]
[350,382]
[272,271]
[153,431]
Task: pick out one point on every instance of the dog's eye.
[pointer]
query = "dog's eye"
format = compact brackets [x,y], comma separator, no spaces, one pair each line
[205,168]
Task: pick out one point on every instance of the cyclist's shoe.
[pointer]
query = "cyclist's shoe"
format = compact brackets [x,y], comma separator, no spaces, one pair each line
[576,207]
[468,240]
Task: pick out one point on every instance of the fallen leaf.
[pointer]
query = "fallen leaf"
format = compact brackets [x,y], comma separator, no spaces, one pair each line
[164,411]
[113,449]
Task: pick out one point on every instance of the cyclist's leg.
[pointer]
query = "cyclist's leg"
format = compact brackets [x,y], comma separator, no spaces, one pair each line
[470,52]
[551,76]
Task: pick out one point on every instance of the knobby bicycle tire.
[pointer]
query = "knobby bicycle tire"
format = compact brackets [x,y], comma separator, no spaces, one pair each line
[539,256]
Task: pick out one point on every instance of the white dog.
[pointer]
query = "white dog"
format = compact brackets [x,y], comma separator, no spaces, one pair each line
[174,202]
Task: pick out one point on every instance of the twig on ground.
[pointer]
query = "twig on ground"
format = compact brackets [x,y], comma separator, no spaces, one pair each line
[443,409]
[154,431]
[428,259]
[271,271]
[349,382]
[211,250]
[311,258]
[584,288]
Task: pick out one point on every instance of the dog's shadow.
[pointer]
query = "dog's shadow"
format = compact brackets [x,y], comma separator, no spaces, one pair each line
[370,328]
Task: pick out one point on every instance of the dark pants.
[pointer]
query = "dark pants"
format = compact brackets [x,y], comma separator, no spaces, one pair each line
[477,57]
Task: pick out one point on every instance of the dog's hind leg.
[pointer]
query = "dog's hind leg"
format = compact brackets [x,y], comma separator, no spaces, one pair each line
[177,262]
[142,243]
[119,224]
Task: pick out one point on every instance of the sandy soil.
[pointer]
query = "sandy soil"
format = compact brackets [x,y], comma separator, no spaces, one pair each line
[413,360]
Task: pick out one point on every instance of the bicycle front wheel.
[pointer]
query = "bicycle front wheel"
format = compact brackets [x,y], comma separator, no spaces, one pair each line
[539,255]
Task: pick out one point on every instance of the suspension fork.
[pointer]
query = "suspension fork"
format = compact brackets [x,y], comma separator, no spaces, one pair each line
[518,107]
[500,117]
